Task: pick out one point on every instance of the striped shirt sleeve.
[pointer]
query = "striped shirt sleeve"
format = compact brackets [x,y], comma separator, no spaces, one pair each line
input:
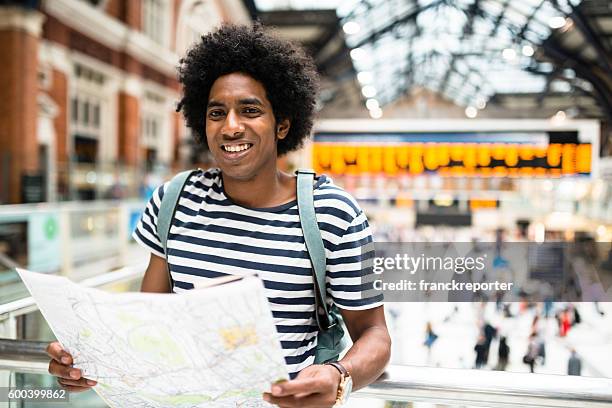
[146,229]
[349,268]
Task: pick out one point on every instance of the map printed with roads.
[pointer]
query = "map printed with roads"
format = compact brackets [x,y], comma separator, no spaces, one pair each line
[213,347]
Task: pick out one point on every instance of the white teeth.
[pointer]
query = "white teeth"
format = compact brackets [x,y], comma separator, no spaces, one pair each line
[236,148]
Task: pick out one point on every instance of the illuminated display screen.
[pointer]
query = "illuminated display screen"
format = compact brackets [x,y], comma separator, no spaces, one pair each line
[465,158]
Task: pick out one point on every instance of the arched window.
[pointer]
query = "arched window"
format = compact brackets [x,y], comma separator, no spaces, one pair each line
[196,17]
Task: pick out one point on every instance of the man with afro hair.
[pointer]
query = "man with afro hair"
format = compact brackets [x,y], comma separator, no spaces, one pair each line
[250,98]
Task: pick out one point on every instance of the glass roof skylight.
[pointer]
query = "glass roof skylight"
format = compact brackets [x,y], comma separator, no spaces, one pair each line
[467,50]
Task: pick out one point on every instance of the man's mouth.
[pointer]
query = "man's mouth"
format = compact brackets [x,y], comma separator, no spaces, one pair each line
[236,148]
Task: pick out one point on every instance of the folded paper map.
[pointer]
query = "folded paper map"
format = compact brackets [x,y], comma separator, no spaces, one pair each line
[211,347]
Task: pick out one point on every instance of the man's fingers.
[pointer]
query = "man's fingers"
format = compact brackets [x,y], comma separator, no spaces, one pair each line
[71,388]
[308,385]
[291,401]
[56,352]
[82,382]
[283,402]
[60,370]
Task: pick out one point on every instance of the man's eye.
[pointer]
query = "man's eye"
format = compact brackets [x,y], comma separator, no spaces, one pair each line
[215,113]
[251,110]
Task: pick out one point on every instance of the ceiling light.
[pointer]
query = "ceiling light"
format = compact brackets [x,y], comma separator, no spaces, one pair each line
[365,77]
[539,232]
[372,104]
[443,200]
[351,27]
[558,118]
[368,91]
[481,102]
[528,50]
[569,73]
[509,54]
[601,231]
[471,112]
[376,113]
[358,54]
[556,22]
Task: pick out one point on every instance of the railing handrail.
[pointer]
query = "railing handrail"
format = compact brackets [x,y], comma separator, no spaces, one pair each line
[7,262]
[489,388]
[24,305]
[13,210]
[425,384]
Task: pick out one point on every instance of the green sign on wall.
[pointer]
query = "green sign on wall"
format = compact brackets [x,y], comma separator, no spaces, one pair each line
[44,242]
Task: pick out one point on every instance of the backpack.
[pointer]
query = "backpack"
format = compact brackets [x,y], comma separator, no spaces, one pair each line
[330,339]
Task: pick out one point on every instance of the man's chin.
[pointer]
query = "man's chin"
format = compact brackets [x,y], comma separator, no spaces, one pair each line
[237,174]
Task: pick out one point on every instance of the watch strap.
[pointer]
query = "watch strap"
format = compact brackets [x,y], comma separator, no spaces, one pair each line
[339,367]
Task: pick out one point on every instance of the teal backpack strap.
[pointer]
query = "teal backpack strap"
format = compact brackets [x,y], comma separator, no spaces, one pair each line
[314,244]
[167,209]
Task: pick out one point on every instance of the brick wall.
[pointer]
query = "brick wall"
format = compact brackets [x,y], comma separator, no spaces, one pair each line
[127,11]
[18,107]
[59,94]
[116,9]
[129,129]
[133,14]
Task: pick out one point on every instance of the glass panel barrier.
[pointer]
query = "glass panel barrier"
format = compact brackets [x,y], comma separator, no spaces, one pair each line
[20,319]
[78,240]
[17,380]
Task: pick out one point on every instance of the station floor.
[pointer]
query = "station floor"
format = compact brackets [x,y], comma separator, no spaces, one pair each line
[456,324]
[458,331]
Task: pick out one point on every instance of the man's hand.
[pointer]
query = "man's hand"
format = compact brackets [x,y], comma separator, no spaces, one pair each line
[314,387]
[61,366]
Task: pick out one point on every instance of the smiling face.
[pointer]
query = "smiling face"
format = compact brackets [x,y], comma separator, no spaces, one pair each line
[241,130]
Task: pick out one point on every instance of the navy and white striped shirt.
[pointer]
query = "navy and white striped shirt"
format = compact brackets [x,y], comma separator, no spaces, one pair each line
[212,236]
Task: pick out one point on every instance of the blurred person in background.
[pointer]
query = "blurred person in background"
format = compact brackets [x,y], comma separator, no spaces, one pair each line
[548,306]
[538,332]
[541,342]
[574,364]
[531,354]
[117,190]
[146,188]
[535,324]
[481,352]
[490,333]
[566,321]
[430,339]
[503,354]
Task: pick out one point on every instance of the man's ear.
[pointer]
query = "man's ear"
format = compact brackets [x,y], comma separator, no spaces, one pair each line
[282,128]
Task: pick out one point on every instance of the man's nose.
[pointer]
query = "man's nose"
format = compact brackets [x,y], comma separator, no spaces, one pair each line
[233,125]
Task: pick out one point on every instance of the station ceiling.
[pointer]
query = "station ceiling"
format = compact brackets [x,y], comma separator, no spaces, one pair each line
[556,54]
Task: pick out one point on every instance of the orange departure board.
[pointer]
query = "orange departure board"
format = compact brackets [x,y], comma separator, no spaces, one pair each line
[452,159]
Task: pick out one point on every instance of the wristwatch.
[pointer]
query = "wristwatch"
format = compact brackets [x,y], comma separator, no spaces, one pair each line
[346,384]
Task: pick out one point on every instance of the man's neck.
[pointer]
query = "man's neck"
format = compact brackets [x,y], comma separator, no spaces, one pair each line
[267,189]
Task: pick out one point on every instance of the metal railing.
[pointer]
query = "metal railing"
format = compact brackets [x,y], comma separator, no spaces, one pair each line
[23,356]
[29,356]
[128,273]
[466,387]
[64,235]
[12,311]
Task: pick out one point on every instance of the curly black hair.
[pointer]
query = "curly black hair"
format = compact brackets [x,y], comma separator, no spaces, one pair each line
[288,75]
